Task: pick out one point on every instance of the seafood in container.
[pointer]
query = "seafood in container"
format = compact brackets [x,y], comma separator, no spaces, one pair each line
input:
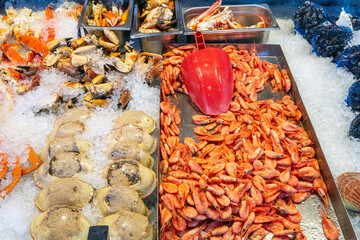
[152,31]
[256,20]
[205,159]
[120,29]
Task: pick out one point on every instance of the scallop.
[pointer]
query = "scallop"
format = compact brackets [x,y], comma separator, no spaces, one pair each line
[60,222]
[113,199]
[122,150]
[73,115]
[128,225]
[138,118]
[349,186]
[132,174]
[64,191]
[62,165]
[64,144]
[66,130]
[134,134]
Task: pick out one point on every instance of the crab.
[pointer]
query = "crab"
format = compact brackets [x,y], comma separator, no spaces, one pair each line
[113,199]
[60,222]
[61,165]
[131,173]
[128,225]
[64,191]
[136,135]
[138,118]
[122,150]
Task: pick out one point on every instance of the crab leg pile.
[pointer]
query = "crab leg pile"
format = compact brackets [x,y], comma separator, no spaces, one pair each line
[249,167]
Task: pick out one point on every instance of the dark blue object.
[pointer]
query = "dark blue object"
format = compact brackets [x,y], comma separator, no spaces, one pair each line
[99,232]
[355,21]
[353,98]
[330,40]
[354,130]
[350,59]
[308,18]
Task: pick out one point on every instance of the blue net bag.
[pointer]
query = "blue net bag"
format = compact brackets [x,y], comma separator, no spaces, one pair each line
[355,21]
[353,98]
[350,59]
[308,18]
[330,40]
[354,130]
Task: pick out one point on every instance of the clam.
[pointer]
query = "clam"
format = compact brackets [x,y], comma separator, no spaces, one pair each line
[73,115]
[138,118]
[65,130]
[133,174]
[60,222]
[122,150]
[136,135]
[61,165]
[64,191]
[64,144]
[128,225]
[112,199]
[349,186]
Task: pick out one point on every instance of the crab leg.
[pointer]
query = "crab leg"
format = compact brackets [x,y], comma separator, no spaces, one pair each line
[12,53]
[17,175]
[3,164]
[49,15]
[33,43]
[204,15]
[34,160]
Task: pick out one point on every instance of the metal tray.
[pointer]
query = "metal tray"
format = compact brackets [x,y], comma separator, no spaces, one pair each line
[311,220]
[153,41]
[244,14]
[119,30]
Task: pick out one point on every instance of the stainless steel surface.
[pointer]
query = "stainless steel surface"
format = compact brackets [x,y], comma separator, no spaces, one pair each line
[309,209]
[153,41]
[119,30]
[245,15]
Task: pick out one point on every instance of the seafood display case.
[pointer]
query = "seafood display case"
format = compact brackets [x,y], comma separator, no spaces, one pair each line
[247,15]
[310,208]
[120,30]
[153,41]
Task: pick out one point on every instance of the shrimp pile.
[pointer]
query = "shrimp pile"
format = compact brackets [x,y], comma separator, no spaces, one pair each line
[248,167]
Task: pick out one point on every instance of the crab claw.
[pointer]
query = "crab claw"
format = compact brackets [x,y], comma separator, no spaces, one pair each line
[27,70]
[108,68]
[204,15]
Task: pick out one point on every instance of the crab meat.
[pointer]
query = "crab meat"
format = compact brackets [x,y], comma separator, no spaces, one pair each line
[138,118]
[113,199]
[136,135]
[60,222]
[62,165]
[122,150]
[66,130]
[133,174]
[64,191]
[128,225]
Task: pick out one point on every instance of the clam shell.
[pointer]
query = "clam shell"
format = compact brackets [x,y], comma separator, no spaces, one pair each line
[112,199]
[64,191]
[60,222]
[138,118]
[349,186]
[128,225]
[131,173]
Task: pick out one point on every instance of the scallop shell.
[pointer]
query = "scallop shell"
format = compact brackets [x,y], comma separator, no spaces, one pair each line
[60,222]
[128,225]
[138,118]
[122,150]
[128,133]
[131,173]
[64,191]
[112,199]
[349,186]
